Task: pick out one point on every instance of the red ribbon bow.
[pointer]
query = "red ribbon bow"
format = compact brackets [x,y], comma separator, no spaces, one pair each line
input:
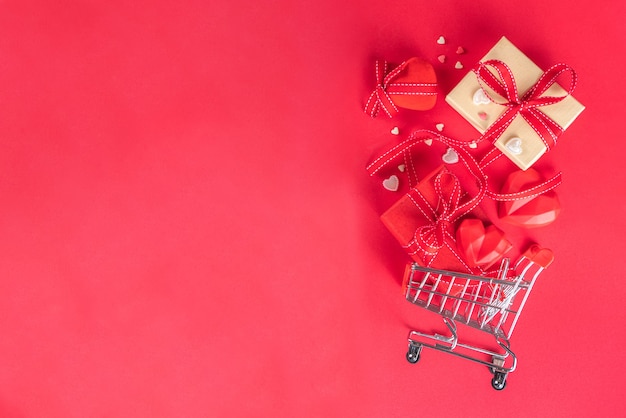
[526,106]
[429,239]
[385,88]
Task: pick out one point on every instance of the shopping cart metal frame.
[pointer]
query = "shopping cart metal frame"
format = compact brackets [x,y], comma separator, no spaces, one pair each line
[489,304]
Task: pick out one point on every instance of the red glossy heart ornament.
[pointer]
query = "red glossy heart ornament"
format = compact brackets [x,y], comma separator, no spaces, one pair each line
[417,70]
[479,245]
[531,212]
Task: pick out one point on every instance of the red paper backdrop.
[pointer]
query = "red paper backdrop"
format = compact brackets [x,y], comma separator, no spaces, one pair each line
[188,229]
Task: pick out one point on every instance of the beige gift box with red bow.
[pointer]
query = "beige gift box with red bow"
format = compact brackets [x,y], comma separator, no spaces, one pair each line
[519,141]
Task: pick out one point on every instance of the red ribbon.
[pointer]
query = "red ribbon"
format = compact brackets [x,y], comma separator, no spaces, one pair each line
[430,238]
[381,97]
[527,106]
[476,169]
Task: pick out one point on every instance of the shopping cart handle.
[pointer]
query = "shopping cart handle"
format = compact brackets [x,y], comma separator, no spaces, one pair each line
[541,256]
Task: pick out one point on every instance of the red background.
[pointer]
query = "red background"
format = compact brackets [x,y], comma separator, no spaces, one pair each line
[188,228]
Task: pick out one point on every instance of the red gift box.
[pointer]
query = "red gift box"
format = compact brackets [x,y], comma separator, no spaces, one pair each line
[423,221]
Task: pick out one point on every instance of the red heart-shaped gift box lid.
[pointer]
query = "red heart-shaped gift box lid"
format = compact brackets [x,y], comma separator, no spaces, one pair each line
[531,212]
[417,70]
[479,245]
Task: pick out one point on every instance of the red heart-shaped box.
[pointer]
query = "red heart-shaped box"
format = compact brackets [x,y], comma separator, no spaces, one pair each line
[417,70]
[479,245]
[531,212]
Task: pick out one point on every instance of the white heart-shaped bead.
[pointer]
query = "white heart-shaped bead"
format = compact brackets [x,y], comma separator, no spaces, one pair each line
[480,97]
[391,183]
[514,145]
[450,157]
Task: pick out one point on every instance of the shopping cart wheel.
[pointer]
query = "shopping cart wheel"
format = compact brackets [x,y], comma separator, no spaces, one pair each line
[499,380]
[413,355]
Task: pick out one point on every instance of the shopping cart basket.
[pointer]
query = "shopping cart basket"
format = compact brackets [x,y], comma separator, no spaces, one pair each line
[490,304]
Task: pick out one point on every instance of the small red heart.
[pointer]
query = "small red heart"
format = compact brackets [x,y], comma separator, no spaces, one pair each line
[481,246]
[530,212]
[416,71]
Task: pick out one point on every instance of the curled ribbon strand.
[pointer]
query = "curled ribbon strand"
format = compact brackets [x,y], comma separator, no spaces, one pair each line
[381,97]
[476,169]
[528,106]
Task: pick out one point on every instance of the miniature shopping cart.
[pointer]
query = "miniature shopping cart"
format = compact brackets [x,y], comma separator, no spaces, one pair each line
[490,304]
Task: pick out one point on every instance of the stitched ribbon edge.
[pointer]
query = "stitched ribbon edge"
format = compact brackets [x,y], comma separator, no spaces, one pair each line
[380,98]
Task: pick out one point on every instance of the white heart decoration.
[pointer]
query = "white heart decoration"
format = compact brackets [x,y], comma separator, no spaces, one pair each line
[391,183]
[428,142]
[401,168]
[395,131]
[514,145]
[450,157]
[439,127]
[441,40]
[473,145]
[480,97]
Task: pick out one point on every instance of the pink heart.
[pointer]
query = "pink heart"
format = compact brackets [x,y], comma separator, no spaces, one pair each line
[392,183]
[450,157]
